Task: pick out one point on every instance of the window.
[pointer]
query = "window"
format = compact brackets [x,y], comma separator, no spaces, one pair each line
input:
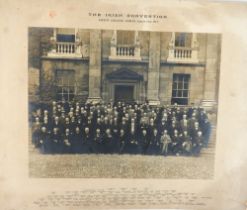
[182,40]
[65,38]
[180,89]
[125,37]
[65,85]
[65,35]
[125,45]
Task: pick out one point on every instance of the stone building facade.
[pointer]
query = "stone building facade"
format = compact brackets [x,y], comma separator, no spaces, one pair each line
[93,65]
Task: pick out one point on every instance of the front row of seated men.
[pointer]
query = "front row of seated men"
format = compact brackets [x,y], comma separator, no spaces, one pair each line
[145,141]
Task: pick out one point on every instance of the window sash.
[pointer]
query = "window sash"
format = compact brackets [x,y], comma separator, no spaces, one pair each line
[66,38]
[180,86]
[65,84]
[183,39]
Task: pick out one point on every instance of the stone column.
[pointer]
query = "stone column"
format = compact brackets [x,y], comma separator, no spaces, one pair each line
[137,45]
[53,41]
[153,69]
[194,46]
[78,50]
[171,48]
[95,67]
[114,44]
[211,71]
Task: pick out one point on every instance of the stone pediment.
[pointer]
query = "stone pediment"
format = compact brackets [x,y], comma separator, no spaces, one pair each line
[124,74]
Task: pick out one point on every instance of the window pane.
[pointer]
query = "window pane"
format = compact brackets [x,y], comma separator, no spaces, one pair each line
[174,93]
[186,78]
[66,97]
[174,85]
[186,86]
[185,93]
[65,38]
[183,39]
[71,80]
[180,85]
[179,93]
[180,39]
[59,89]
[70,90]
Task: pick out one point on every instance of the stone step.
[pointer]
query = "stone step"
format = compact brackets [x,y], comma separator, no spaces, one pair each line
[207,155]
[207,152]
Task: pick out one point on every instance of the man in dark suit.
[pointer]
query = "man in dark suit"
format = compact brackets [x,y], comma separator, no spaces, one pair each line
[176,143]
[87,141]
[56,144]
[144,141]
[154,146]
[98,142]
[77,141]
[67,142]
[206,130]
[123,141]
[36,130]
[108,142]
[44,141]
[197,144]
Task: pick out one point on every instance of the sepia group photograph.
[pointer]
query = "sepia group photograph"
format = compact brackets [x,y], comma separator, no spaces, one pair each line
[109,104]
[122,103]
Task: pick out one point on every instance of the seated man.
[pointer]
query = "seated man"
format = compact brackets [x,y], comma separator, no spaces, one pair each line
[44,141]
[77,141]
[187,144]
[36,131]
[66,144]
[98,142]
[56,145]
[154,146]
[108,142]
[206,130]
[87,141]
[131,143]
[176,143]
[197,144]
[144,141]
[122,141]
[165,142]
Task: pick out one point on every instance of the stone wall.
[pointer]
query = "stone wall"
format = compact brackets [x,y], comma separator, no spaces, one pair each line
[49,67]
[196,88]
[33,84]
[38,42]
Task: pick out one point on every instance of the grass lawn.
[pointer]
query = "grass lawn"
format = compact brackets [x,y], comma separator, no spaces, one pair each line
[120,166]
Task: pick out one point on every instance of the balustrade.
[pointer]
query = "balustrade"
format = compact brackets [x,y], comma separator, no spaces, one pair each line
[182,53]
[65,48]
[125,51]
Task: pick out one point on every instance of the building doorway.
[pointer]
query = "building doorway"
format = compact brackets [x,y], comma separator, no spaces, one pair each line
[124,93]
